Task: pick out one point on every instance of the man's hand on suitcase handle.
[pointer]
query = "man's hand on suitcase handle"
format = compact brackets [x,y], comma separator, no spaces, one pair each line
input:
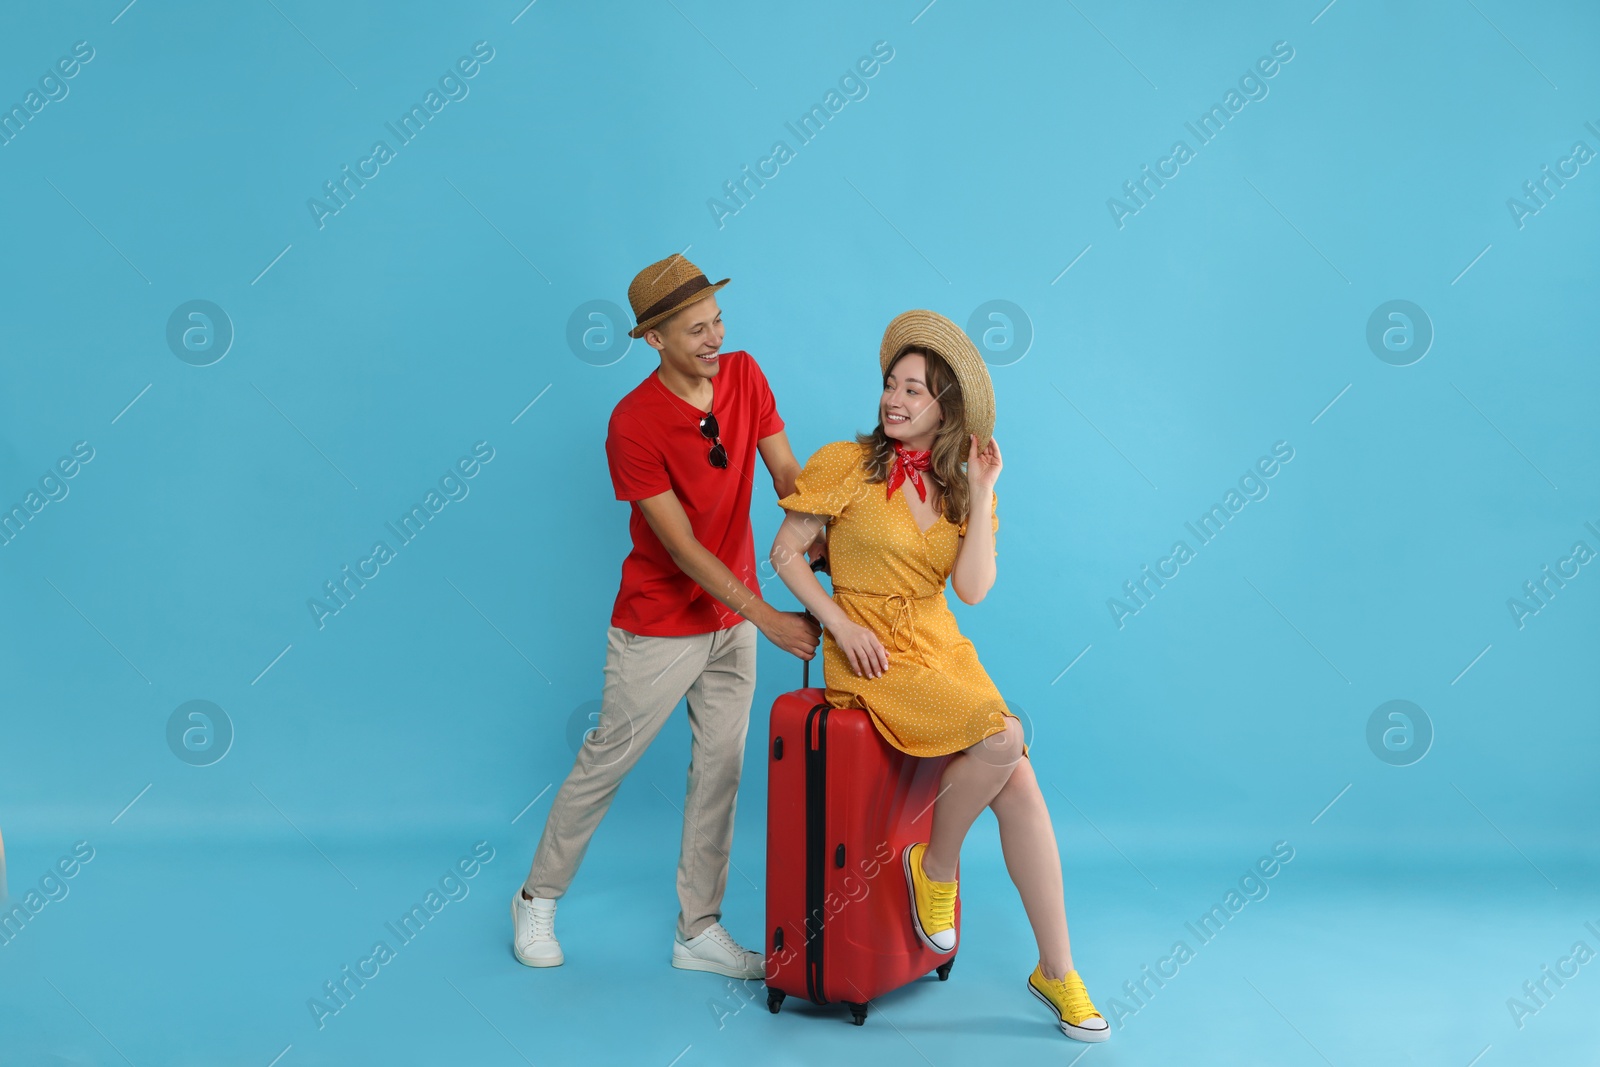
[796,632]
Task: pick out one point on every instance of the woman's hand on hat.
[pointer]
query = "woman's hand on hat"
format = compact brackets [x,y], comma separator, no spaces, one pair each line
[861,647]
[983,468]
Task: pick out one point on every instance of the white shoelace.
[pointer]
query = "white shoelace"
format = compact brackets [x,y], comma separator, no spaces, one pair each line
[720,935]
[543,922]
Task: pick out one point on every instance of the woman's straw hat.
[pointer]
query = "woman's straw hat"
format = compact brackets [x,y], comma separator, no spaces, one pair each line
[665,288]
[932,331]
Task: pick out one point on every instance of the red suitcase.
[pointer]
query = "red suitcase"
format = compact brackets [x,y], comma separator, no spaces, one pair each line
[842,803]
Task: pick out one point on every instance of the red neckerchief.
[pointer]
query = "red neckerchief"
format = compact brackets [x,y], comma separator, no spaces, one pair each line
[908,463]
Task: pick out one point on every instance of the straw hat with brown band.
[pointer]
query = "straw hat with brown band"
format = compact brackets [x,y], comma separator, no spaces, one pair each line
[664,288]
[932,331]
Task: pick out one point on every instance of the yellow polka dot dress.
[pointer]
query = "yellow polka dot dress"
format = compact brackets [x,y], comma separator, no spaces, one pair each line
[888,575]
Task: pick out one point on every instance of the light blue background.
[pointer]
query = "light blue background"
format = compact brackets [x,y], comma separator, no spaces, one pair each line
[428,314]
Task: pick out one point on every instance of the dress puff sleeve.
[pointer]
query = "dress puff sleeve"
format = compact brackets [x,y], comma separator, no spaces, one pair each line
[828,483]
[994,519]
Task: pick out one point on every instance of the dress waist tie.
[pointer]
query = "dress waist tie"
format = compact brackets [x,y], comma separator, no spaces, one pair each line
[900,604]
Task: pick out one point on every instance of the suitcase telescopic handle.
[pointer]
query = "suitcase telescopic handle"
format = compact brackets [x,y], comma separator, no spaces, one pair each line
[818,564]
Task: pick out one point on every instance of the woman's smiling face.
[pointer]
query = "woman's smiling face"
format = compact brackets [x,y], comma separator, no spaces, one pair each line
[909,412]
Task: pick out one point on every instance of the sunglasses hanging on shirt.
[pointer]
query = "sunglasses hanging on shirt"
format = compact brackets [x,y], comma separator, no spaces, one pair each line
[711,432]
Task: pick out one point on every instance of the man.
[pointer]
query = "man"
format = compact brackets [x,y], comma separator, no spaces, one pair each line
[681,448]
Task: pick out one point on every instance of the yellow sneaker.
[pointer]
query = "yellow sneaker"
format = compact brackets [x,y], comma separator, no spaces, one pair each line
[933,904]
[1070,1002]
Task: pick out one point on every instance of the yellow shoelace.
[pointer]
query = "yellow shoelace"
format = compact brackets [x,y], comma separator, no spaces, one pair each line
[1069,995]
[941,904]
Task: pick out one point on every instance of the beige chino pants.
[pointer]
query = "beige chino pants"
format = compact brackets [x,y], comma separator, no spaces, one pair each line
[645,677]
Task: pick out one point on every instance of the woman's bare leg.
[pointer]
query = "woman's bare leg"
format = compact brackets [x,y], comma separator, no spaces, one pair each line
[971,780]
[1029,843]
[993,774]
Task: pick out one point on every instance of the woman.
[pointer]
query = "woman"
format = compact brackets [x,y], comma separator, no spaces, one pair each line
[896,504]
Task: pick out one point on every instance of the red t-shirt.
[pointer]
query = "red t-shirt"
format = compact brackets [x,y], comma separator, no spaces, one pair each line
[653,444]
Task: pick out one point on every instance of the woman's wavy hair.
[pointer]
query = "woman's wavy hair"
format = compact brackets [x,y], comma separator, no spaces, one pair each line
[950,444]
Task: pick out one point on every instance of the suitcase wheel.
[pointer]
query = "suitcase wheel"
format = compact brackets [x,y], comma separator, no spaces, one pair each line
[943,970]
[858,1013]
[774,999]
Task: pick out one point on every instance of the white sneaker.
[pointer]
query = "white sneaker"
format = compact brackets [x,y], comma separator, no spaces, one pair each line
[715,950]
[534,941]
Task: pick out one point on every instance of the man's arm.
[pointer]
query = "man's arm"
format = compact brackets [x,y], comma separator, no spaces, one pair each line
[780,461]
[790,631]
